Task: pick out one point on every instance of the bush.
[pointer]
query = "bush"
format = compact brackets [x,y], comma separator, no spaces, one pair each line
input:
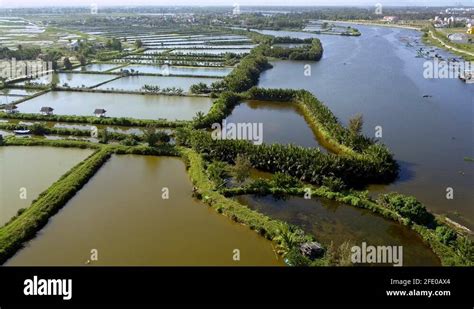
[295,258]
[445,234]
[282,180]
[259,186]
[333,183]
[129,141]
[217,172]
[408,207]
[241,169]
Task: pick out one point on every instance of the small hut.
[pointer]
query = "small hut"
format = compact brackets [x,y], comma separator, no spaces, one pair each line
[46,110]
[100,112]
[312,250]
[11,109]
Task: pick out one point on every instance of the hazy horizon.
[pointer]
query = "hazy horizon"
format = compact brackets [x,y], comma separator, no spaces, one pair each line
[308,3]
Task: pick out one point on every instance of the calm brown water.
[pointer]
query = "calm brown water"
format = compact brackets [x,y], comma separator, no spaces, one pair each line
[34,169]
[330,221]
[282,123]
[121,213]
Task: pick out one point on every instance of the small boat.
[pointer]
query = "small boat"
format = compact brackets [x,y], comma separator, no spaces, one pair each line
[21,132]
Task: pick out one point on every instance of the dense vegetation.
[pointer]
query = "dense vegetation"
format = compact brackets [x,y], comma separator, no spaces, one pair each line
[307,164]
[122,121]
[310,52]
[247,73]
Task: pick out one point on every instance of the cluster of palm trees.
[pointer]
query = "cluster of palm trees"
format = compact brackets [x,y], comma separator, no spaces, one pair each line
[168,90]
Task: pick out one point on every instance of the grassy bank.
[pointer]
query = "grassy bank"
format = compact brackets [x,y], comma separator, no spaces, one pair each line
[112,121]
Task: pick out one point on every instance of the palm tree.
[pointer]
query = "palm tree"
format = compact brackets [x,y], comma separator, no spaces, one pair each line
[288,238]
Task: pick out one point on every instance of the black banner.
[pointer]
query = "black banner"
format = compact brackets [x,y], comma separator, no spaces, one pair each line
[432,287]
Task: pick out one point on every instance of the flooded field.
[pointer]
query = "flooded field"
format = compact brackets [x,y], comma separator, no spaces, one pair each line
[73,80]
[212,51]
[131,224]
[119,105]
[282,123]
[330,221]
[97,67]
[175,70]
[32,169]
[136,83]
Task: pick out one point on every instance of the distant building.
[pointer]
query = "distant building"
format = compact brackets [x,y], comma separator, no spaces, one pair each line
[46,110]
[100,112]
[390,19]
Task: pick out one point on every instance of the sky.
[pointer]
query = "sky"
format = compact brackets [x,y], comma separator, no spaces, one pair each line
[39,3]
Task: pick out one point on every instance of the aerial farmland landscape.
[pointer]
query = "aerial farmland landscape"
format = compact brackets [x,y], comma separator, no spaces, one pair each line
[236,135]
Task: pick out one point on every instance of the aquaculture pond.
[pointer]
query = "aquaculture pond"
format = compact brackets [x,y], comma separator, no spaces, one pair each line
[9,99]
[19,92]
[119,105]
[128,222]
[176,70]
[25,172]
[282,122]
[430,136]
[74,80]
[96,67]
[136,83]
[213,51]
[330,221]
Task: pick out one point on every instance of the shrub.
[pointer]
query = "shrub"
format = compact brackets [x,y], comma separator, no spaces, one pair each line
[217,172]
[241,169]
[445,234]
[282,180]
[295,258]
[408,207]
[333,183]
[129,141]
[259,186]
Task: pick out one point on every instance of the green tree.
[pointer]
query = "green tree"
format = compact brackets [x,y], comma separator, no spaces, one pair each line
[241,169]
[67,63]
[82,59]
[355,124]
[138,43]
[104,136]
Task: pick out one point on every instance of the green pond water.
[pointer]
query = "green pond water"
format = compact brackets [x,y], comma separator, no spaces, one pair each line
[32,169]
[120,212]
